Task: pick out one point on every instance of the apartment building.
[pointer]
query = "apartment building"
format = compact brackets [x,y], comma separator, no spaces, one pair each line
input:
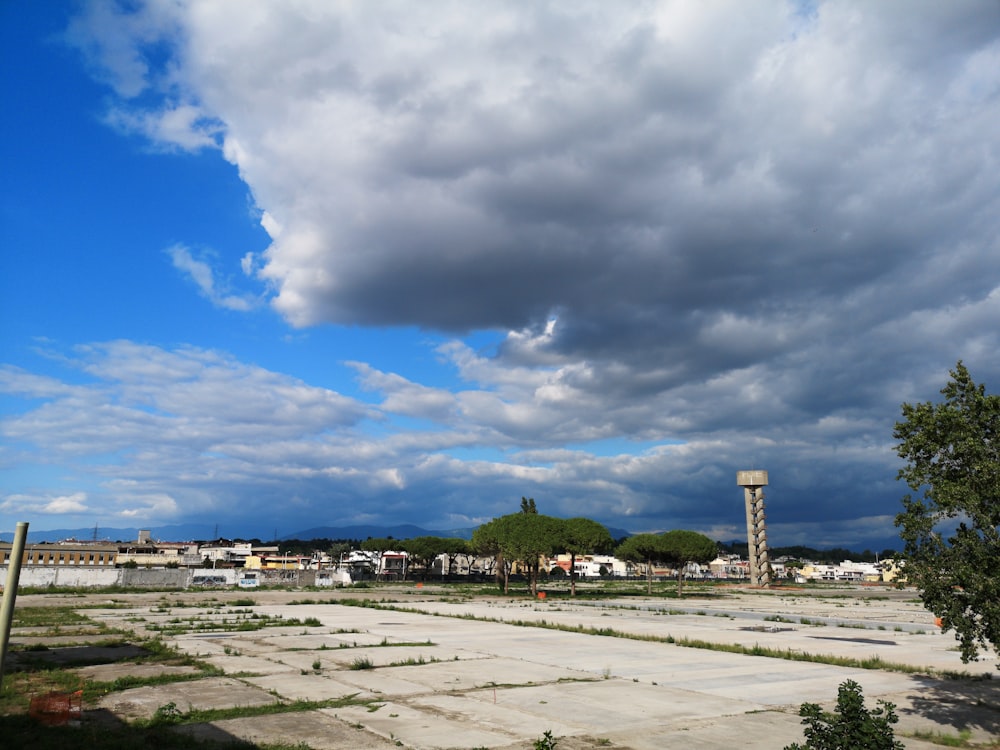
[70,552]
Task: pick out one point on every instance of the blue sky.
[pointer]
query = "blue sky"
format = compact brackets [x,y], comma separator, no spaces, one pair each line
[280,266]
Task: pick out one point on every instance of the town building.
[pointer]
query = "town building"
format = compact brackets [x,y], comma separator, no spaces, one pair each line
[591,566]
[69,552]
[146,553]
[845,571]
[729,566]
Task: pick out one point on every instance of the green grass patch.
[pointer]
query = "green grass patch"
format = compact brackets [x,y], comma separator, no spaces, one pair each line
[93,690]
[362,662]
[170,715]
[944,738]
[240,622]
[56,618]
[411,662]
[874,662]
[18,687]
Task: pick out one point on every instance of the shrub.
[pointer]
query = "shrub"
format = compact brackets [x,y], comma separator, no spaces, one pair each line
[166,714]
[851,726]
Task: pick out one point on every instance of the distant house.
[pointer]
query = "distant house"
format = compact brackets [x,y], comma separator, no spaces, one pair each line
[729,566]
[277,562]
[591,566]
[893,571]
[145,552]
[845,571]
[393,565]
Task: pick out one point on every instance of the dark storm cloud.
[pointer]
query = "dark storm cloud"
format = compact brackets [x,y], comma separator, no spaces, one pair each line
[754,229]
[638,171]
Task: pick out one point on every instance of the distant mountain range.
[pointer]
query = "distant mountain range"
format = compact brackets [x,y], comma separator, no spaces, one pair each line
[406,531]
[201,532]
[396,532]
[178,533]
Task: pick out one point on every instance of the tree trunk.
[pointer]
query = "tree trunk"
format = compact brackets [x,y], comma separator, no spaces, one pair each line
[500,572]
[533,574]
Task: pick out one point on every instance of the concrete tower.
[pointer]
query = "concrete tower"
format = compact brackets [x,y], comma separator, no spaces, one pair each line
[753,483]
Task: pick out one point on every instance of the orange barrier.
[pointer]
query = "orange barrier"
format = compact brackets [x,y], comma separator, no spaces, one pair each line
[541,594]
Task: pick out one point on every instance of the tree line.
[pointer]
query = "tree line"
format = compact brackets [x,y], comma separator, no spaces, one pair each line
[525,537]
[519,541]
[801,552]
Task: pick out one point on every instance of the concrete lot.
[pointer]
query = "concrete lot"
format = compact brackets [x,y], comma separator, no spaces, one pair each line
[474,674]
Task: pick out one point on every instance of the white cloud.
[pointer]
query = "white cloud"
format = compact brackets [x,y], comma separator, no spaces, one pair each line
[165,435]
[75,503]
[113,40]
[751,227]
[202,275]
[19,504]
[182,126]
[141,506]
[674,183]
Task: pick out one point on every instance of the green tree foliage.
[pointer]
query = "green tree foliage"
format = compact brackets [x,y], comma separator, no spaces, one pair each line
[642,548]
[675,548]
[528,505]
[527,537]
[337,549]
[851,726]
[455,548]
[380,544]
[951,531]
[583,536]
[424,550]
[680,547]
[486,542]
[519,537]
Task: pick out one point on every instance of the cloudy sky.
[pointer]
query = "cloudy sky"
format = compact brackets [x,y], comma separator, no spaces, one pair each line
[276,265]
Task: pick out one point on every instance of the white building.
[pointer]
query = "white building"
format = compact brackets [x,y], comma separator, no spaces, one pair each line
[845,571]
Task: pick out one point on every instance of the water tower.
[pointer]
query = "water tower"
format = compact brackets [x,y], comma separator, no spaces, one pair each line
[753,483]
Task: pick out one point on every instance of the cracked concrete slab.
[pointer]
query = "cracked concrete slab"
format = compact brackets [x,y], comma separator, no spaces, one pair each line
[211,692]
[511,681]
